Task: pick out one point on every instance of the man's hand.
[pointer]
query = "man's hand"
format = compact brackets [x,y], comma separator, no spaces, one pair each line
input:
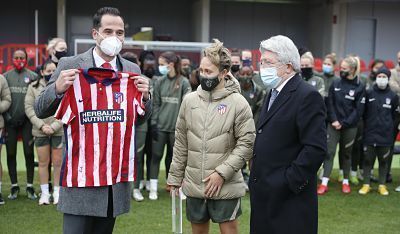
[47,129]
[336,125]
[143,86]
[214,185]
[65,80]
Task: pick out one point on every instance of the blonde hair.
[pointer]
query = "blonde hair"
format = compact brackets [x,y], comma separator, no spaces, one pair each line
[332,57]
[354,63]
[219,55]
[53,43]
[308,55]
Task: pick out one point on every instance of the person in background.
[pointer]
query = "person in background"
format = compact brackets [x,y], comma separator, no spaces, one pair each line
[48,136]
[214,138]
[236,62]
[346,101]
[5,103]
[57,49]
[307,72]
[394,83]
[370,80]
[328,75]
[147,64]
[186,66]
[381,111]
[141,130]
[168,94]
[194,79]
[254,95]
[130,56]
[17,122]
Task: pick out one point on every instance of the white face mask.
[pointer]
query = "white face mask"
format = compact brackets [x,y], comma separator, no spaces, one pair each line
[382,82]
[111,46]
[269,76]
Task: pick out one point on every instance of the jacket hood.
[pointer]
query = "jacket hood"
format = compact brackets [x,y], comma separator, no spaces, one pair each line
[231,86]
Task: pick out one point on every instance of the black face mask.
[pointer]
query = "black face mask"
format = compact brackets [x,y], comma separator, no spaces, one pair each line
[60,54]
[235,68]
[244,80]
[47,77]
[208,84]
[372,75]
[149,72]
[307,72]
[186,71]
[344,74]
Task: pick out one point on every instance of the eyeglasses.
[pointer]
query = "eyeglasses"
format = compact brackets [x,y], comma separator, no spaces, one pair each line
[266,63]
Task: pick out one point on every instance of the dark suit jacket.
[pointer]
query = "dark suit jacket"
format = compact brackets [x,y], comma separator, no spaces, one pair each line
[87,201]
[290,147]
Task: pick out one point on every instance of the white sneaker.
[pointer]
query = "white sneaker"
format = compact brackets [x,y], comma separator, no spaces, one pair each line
[153,190]
[397,189]
[137,195]
[56,196]
[44,199]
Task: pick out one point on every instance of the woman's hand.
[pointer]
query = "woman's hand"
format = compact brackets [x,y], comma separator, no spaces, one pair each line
[214,185]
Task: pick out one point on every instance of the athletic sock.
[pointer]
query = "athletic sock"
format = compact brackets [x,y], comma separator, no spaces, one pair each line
[325,181]
[346,181]
[44,188]
[29,185]
[353,173]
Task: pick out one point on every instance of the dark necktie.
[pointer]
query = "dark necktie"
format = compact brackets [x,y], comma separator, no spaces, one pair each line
[274,94]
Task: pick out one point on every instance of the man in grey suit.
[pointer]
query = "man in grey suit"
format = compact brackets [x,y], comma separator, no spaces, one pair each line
[93,209]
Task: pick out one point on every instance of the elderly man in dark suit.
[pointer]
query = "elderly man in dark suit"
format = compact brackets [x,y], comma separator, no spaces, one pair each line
[289,148]
[93,209]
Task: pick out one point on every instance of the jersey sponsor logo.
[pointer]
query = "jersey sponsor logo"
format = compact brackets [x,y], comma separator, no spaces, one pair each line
[349,97]
[221,109]
[337,89]
[118,97]
[101,116]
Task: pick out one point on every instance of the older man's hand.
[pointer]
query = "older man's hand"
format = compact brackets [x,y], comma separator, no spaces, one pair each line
[65,80]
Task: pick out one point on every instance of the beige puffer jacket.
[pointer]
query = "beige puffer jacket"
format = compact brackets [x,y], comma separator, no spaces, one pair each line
[31,95]
[5,99]
[214,132]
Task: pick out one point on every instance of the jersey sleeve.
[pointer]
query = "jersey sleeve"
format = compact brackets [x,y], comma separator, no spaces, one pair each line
[64,112]
[138,103]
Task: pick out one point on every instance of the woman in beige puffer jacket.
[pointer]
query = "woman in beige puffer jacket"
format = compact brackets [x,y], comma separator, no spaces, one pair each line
[214,134]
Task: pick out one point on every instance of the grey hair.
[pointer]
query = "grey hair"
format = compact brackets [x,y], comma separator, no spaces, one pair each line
[285,49]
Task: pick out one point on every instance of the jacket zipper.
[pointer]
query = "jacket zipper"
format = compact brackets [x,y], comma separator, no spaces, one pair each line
[204,144]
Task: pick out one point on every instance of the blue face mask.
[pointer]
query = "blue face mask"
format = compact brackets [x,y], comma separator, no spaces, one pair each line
[327,69]
[269,76]
[163,69]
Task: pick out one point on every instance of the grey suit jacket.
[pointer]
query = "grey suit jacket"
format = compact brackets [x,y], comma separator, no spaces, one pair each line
[87,201]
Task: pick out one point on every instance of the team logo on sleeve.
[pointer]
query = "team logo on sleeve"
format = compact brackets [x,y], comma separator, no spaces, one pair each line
[118,97]
[221,109]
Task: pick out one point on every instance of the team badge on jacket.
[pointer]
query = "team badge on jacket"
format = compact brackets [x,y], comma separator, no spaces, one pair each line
[351,93]
[118,97]
[388,101]
[221,109]
[27,79]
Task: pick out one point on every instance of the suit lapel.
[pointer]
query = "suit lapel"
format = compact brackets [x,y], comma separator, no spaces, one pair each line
[282,98]
[87,60]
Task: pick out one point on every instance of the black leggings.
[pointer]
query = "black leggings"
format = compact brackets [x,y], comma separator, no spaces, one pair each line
[11,146]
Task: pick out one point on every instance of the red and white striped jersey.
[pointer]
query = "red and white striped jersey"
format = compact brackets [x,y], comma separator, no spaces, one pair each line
[99,112]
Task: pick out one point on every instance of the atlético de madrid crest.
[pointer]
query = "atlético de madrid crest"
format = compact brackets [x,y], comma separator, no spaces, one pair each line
[388,101]
[221,109]
[118,97]
[351,92]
